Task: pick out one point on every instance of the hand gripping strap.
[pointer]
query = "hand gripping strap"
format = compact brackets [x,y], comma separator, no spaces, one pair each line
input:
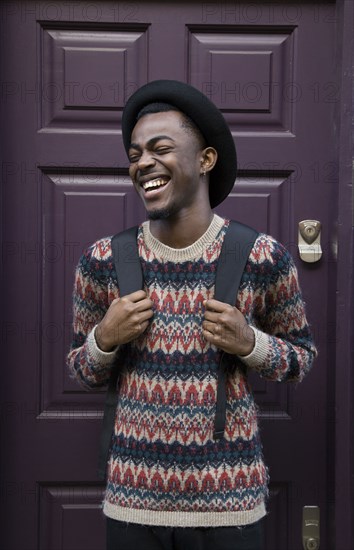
[238,243]
[130,278]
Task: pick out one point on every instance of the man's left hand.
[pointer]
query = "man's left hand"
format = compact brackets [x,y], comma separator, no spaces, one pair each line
[226,327]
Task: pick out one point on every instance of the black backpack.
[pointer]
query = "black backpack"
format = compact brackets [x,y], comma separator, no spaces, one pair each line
[238,242]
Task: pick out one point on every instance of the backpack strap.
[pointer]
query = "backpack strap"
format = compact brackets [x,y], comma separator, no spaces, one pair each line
[127,262]
[238,243]
[130,278]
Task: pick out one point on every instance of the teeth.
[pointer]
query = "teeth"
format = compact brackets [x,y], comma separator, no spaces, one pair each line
[154,184]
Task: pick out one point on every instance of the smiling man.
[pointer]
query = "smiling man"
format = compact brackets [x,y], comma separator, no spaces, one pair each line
[180,157]
[171,482]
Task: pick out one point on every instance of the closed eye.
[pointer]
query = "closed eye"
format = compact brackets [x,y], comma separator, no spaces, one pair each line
[134,155]
[134,158]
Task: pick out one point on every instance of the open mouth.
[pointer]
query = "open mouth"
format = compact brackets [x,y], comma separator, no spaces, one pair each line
[157,183]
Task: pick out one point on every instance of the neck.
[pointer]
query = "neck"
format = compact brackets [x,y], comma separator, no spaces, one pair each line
[183,230]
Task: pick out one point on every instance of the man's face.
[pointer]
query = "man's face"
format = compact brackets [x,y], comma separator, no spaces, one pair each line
[165,165]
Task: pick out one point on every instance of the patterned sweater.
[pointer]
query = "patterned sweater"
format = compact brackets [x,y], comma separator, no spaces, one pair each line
[164,466]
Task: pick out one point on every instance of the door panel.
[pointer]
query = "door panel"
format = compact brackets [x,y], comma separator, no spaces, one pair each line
[65,184]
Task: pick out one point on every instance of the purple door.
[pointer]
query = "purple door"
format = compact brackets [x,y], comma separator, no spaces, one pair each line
[67,71]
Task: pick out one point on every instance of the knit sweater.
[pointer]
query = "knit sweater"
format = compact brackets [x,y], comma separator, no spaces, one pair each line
[165,468]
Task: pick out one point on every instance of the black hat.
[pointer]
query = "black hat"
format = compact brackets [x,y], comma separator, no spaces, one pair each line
[204,114]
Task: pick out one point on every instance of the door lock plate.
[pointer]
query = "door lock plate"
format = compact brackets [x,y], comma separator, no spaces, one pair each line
[309,240]
[311,527]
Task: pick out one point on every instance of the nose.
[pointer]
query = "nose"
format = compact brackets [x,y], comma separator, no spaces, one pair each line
[146,159]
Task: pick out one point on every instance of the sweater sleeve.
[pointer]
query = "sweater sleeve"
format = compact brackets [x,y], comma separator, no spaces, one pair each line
[93,292]
[284,348]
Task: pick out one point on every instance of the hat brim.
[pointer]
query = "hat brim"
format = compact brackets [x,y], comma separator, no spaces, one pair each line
[204,114]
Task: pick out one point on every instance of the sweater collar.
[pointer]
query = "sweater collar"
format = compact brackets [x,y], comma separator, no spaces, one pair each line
[192,252]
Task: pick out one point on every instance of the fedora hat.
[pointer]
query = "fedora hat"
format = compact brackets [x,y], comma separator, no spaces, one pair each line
[205,115]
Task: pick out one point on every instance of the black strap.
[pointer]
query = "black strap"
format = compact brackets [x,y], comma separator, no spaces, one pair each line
[130,278]
[238,243]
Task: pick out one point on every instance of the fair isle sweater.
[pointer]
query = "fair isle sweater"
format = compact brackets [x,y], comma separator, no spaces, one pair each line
[165,467]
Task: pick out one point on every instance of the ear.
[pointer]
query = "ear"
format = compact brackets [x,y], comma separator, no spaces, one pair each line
[209,157]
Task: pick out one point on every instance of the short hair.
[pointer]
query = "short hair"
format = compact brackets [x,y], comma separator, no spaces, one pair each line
[187,122]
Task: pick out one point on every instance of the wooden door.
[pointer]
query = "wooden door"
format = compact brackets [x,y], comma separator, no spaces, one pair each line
[68,69]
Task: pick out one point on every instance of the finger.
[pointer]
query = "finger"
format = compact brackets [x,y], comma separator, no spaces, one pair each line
[211,316]
[144,326]
[136,296]
[213,328]
[207,334]
[143,323]
[144,305]
[215,305]
[145,315]
[208,326]
[210,337]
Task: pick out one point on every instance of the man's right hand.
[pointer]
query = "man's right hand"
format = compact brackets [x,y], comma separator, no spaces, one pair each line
[126,319]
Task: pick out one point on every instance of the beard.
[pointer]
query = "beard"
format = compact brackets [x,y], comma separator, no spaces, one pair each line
[162,213]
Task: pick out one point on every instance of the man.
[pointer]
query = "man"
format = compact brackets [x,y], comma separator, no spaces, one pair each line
[170,482]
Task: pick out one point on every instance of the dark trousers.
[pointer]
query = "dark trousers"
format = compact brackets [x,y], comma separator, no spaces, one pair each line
[123,536]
